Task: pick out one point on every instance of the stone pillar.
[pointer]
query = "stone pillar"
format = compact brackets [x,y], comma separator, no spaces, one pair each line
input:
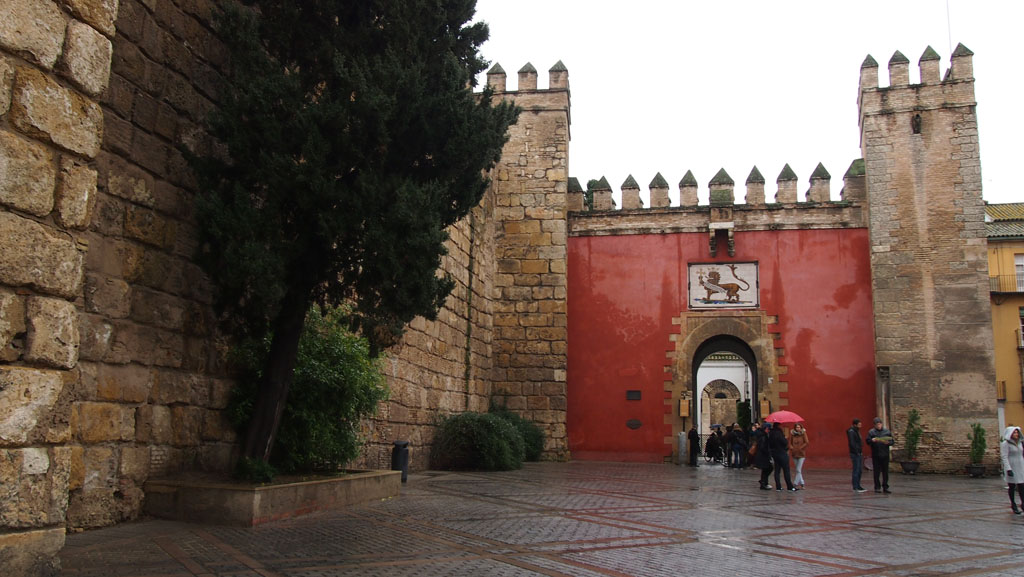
[933,334]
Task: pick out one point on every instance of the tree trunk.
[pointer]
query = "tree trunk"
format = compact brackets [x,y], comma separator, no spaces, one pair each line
[272,392]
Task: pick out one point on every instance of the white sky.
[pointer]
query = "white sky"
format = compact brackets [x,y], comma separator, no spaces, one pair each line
[672,86]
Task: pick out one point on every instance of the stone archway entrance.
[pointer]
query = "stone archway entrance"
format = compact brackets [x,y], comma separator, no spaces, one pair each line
[733,347]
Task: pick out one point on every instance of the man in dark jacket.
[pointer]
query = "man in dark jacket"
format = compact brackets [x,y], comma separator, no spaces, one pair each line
[763,457]
[880,439]
[694,441]
[856,449]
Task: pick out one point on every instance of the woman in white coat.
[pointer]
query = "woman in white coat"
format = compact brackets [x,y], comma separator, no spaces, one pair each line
[1011,449]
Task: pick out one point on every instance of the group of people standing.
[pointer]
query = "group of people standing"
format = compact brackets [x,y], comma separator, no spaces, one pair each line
[767,448]
[772,451]
[879,440]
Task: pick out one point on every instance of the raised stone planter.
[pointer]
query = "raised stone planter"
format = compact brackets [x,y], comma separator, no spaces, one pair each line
[220,502]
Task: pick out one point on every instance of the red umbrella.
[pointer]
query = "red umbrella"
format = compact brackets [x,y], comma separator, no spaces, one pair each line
[784,418]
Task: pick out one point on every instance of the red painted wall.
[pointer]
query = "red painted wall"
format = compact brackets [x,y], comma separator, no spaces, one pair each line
[624,290]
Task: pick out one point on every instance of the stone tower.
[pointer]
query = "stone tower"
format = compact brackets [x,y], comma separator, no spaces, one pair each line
[531,184]
[933,337]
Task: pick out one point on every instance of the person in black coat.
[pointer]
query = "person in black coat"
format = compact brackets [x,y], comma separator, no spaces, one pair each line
[694,441]
[763,457]
[779,447]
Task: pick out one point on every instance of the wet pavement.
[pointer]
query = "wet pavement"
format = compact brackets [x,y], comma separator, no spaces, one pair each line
[597,519]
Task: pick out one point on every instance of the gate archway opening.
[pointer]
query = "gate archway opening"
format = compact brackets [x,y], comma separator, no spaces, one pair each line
[724,372]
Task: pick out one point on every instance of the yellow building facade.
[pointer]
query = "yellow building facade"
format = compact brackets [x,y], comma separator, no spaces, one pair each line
[1004,225]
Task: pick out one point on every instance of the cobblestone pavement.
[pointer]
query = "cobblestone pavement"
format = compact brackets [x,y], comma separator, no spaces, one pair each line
[596,519]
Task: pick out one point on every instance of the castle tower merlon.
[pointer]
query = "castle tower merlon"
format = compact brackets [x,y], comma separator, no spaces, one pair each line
[558,76]
[899,70]
[602,192]
[929,66]
[854,185]
[527,77]
[869,73]
[496,78]
[755,188]
[631,194]
[820,185]
[659,192]
[574,195]
[961,63]
[787,182]
[722,189]
[688,190]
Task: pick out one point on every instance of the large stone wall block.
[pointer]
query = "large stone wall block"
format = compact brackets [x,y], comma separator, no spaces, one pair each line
[111,297]
[101,14]
[12,326]
[86,60]
[95,338]
[125,383]
[76,194]
[6,84]
[52,336]
[44,109]
[27,175]
[27,397]
[32,28]
[32,552]
[102,422]
[34,256]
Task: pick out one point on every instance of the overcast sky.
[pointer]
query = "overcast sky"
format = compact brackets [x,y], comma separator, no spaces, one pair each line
[671,86]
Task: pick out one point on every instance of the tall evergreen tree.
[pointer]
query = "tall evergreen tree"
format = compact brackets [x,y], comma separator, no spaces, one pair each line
[350,139]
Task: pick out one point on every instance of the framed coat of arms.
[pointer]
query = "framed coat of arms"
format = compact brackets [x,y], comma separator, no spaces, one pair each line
[725,285]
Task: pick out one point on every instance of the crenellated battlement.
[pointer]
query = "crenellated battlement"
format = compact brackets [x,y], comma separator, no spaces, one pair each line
[956,88]
[558,78]
[816,210]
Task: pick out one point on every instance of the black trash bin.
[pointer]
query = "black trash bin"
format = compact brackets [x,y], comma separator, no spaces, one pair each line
[400,458]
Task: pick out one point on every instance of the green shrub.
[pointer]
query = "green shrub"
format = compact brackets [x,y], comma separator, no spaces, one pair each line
[335,385]
[477,441]
[533,436]
[912,436]
[978,443]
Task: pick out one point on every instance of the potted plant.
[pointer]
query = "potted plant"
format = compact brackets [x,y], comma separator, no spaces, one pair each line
[978,446]
[911,439]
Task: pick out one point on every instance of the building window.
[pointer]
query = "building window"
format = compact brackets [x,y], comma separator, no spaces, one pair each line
[1018,262]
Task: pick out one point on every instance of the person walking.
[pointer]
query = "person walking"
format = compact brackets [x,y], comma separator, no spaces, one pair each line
[798,443]
[763,456]
[780,455]
[694,441]
[1011,451]
[856,453]
[739,446]
[729,442]
[880,439]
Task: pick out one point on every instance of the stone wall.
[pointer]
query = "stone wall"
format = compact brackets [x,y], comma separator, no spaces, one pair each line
[933,331]
[54,64]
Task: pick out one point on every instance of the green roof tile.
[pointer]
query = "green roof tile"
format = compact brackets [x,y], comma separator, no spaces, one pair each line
[869,62]
[755,176]
[603,184]
[630,183]
[856,168]
[1005,211]
[688,180]
[658,182]
[898,58]
[574,184]
[721,178]
[962,50]
[929,54]
[558,67]
[527,68]
[496,69]
[786,174]
[820,173]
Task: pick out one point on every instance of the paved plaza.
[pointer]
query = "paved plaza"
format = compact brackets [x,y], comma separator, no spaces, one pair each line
[596,519]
